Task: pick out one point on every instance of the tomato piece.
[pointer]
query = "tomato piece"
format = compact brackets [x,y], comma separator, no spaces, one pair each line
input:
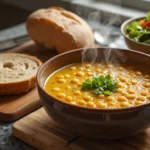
[147,24]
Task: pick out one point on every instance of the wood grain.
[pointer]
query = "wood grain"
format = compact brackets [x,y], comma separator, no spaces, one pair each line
[16,106]
[38,130]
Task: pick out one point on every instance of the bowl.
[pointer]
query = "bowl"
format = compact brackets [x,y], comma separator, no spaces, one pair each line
[131,43]
[92,122]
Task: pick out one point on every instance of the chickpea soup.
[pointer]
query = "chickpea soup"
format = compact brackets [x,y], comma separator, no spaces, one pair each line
[100,85]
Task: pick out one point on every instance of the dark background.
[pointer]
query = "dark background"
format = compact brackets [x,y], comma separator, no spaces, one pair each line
[11,15]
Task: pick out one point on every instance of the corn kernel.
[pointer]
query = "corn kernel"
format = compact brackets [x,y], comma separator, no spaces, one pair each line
[101,105]
[61,80]
[67,75]
[124,104]
[146,85]
[138,102]
[73,68]
[87,98]
[131,96]
[121,98]
[120,90]
[140,98]
[74,80]
[80,73]
[73,102]
[61,95]
[79,84]
[144,93]
[109,98]
[98,70]
[56,89]
[138,73]
[147,76]
[128,83]
[88,70]
[82,102]
[123,79]
[133,82]
[88,65]
[89,73]
[90,104]
[120,85]
[131,91]
[60,77]
[111,103]
[81,68]
[68,87]
[101,96]
[69,98]
[77,92]
[148,97]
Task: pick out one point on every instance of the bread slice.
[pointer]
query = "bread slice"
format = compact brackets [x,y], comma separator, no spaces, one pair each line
[17,73]
[59,28]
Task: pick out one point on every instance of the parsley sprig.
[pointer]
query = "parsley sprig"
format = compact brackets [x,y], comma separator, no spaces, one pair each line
[100,84]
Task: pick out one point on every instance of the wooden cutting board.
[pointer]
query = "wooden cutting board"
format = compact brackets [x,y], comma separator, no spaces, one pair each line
[14,107]
[38,130]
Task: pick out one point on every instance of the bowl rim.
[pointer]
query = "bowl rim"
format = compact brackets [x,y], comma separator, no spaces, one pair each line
[42,68]
[127,22]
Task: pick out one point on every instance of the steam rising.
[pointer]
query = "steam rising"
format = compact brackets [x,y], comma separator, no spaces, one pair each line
[109,55]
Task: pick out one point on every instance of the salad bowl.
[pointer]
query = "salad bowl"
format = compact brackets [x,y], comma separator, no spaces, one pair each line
[136,32]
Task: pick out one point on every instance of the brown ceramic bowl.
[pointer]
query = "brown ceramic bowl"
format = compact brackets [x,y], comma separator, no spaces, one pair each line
[131,43]
[92,122]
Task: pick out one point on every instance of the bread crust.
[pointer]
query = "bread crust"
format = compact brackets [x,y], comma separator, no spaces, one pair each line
[9,88]
[59,28]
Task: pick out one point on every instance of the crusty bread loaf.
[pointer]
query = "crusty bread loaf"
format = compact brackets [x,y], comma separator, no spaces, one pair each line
[59,28]
[17,73]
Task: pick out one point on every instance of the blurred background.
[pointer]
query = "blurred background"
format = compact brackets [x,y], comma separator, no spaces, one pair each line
[14,12]
[98,14]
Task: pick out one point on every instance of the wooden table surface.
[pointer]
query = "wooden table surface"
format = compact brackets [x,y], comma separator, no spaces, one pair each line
[9,38]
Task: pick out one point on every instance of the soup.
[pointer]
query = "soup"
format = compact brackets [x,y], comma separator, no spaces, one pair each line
[131,85]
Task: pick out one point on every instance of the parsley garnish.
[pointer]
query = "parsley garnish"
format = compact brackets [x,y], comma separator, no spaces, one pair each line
[100,84]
